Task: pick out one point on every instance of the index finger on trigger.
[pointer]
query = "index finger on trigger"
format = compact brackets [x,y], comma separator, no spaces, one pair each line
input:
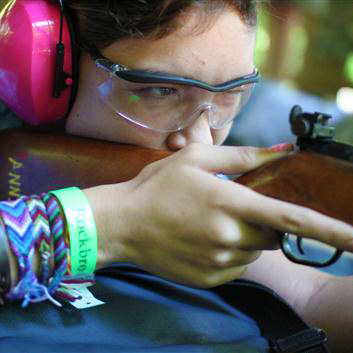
[286,217]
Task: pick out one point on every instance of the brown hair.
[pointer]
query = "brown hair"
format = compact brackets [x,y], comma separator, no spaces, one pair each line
[99,23]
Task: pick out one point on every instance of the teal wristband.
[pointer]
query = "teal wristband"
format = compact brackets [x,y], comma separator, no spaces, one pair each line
[81,228]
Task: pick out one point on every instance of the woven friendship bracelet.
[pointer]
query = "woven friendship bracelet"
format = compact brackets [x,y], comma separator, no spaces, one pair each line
[20,231]
[37,222]
[61,250]
[19,228]
[42,235]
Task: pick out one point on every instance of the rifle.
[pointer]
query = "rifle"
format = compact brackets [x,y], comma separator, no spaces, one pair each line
[319,175]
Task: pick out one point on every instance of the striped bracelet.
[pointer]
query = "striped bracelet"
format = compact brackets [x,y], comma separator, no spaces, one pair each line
[19,229]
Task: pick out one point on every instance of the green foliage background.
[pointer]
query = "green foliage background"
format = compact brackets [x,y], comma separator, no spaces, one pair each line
[318,56]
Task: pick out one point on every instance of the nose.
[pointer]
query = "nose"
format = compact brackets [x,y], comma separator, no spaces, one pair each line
[199,131]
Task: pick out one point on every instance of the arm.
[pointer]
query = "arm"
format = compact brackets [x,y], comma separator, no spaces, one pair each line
[320,299]
[177,220]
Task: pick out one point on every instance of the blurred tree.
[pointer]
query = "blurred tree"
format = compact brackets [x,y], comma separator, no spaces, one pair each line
[282,16]
[330,43]
[311,43]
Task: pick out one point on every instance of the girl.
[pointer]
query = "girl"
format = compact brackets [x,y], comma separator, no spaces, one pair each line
[173,75]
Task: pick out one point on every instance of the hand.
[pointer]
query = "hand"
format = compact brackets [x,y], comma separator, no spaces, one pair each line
[178,220]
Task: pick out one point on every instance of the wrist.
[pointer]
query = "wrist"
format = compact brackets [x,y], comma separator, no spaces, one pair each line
[107,204]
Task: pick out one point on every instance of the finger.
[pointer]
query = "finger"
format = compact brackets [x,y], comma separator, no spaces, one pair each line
[215,278]
[223,260]
[196,275]
[257,237]
[238,234]
[220,277]
[231,159]
[286,217]
[216,256]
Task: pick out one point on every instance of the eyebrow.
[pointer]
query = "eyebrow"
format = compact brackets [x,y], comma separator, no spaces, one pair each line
[151,75]
[157,71]
[152,70]
[162,72]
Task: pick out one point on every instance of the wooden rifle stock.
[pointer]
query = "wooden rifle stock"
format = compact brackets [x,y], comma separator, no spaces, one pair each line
[313,180]
[32,163]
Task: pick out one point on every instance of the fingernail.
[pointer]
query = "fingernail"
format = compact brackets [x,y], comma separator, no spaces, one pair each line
[282,147]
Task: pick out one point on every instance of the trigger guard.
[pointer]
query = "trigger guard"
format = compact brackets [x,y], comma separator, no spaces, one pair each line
[287,251]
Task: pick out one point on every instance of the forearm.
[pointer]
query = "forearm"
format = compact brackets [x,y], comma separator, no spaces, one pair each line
[293,282]
[330,308]
[320,299]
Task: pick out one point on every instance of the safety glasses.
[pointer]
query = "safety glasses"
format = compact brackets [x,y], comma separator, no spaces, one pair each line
[167,103]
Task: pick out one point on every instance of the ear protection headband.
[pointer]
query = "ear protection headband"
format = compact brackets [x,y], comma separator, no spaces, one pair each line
[38,64]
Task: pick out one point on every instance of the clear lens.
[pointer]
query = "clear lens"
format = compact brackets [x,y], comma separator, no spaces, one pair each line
[171,107]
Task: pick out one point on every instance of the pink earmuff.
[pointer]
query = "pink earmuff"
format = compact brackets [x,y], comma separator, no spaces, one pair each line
[29,34]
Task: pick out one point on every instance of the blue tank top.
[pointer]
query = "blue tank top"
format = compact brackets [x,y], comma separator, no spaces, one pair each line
[143,314]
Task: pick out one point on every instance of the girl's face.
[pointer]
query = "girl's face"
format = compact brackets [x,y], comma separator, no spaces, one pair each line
[216,54]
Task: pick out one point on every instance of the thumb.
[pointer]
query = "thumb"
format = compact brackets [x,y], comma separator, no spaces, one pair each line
[235,160]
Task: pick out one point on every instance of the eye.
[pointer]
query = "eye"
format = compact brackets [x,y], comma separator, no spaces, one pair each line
[156,92]
[241,89]
[237,90]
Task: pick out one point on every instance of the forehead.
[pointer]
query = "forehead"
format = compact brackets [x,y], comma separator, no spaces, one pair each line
[215,53]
